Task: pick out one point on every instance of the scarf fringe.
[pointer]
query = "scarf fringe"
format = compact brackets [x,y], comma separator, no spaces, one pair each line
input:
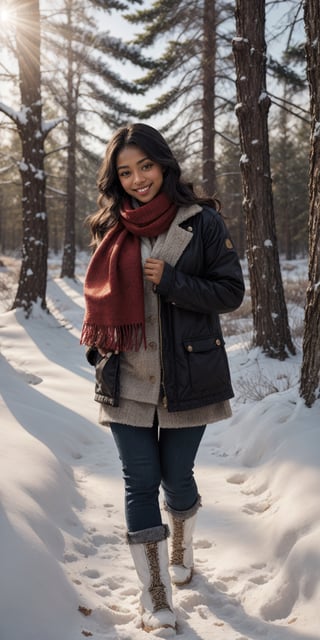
[128,337]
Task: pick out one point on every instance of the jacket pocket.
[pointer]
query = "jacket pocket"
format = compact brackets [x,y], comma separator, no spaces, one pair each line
[207,364]
[107,388]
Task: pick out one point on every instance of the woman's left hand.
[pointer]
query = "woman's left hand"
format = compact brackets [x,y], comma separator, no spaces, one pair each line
[153,270]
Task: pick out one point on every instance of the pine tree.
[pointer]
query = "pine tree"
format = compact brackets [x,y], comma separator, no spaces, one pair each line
[33,132]
[88,85]
[270,318]
[76,72]
[196,55]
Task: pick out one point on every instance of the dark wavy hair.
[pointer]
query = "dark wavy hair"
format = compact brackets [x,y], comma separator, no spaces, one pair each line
[111,192]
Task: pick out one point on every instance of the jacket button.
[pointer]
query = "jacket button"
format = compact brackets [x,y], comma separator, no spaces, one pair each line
[190,347]
[218,342]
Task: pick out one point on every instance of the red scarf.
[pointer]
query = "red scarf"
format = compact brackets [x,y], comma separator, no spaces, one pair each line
[113,288]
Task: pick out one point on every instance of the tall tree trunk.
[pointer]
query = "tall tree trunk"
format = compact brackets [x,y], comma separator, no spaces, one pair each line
[69,248]
[270,318]
[310,371]
[33,273]
[208,109]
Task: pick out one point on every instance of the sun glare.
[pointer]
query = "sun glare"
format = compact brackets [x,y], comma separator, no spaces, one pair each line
[6,16]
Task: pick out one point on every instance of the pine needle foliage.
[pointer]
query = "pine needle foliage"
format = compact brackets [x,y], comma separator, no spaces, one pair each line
[191,41]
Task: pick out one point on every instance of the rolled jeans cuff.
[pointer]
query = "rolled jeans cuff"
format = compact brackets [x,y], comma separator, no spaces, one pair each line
[187,513]
[153,534]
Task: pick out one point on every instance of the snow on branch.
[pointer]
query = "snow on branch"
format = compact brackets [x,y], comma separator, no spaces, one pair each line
[51,124]
[21,117]
[16,116]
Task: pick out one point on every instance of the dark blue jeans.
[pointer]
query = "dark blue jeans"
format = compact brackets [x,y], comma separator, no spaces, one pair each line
[152,457]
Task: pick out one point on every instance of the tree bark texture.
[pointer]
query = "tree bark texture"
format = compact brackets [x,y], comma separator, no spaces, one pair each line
[33,272]
[208,108]
[270,318]
[310,370]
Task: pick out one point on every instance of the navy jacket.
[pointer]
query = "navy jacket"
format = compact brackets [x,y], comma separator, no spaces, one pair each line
[206,281]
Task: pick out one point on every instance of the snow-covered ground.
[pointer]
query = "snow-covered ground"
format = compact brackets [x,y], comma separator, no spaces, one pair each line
[66,571]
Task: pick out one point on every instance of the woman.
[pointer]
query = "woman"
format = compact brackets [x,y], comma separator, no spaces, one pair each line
[163,269]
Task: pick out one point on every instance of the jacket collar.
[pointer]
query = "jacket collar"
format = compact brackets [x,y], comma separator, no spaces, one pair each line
[170,245]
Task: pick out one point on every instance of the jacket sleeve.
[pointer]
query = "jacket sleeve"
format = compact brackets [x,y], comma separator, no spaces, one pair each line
[221,288]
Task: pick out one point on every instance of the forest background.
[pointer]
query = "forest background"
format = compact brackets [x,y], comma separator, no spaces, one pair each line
[111,94]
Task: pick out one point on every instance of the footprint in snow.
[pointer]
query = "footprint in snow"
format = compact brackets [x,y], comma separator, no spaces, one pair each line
[254,491]
[115,584]
[112,613]
[103,592]
[260,579]
[98,539]
[258,507]
[190,599]
[203,612]
[76,455]
[70,557]
[28,377]
[223,583]
[91,573]
[85,549]
[202,544]
[237,478]
[130,591]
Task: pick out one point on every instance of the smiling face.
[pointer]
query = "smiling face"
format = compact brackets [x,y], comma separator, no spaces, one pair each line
[140,177]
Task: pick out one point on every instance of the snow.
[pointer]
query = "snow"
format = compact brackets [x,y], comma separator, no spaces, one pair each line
[239,39]
[62,531]
[20,117]
[263,96]
[48,125]
[244,159]
[22,166]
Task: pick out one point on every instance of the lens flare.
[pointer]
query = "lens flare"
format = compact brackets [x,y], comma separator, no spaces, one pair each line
[6,15]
